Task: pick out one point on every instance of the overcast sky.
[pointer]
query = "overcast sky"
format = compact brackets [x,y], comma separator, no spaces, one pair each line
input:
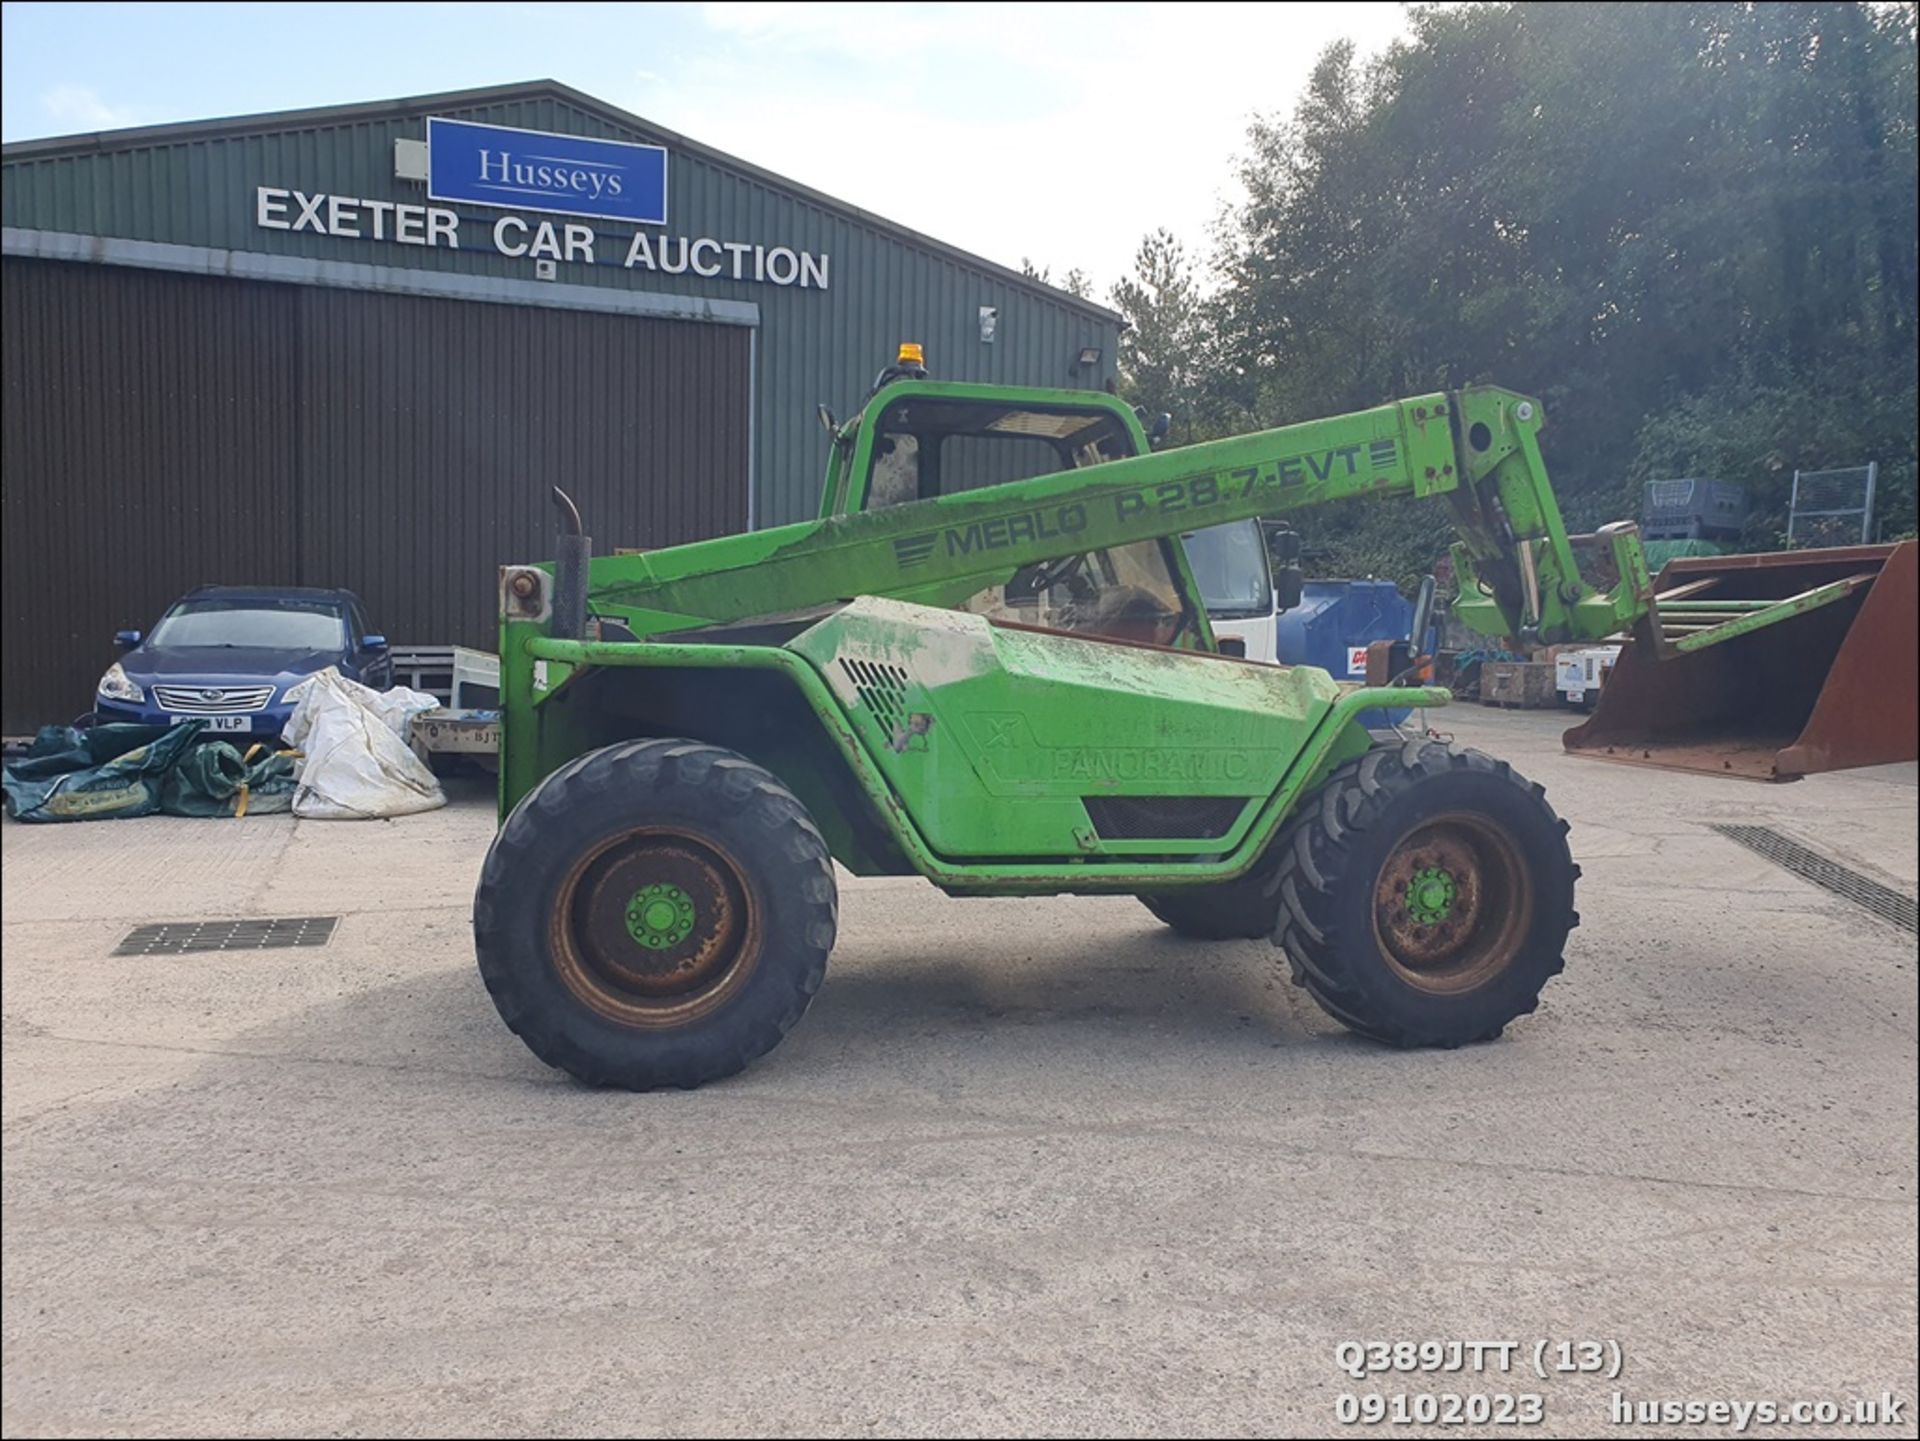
[1057,132]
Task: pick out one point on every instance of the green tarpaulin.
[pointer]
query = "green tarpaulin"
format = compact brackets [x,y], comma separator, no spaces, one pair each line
[130,770]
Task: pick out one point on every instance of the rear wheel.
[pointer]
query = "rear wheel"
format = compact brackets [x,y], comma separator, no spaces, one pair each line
[1425,895]
[655,914]
[1242,909]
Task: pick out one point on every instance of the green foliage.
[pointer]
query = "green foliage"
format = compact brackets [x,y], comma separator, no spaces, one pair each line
[1164,346]
[1761,433]
[1688,228]
[1358,539]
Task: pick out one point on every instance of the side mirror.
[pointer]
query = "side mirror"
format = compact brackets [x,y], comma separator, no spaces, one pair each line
[1422,616]
[1289,581]
[373,642]
[1289,584]
[126,639]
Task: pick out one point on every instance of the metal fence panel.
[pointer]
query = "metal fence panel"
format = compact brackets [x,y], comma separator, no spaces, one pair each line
[1832,507]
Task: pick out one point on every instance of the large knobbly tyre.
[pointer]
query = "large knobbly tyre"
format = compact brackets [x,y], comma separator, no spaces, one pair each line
[656,913]
[1242,909]
[1426,893]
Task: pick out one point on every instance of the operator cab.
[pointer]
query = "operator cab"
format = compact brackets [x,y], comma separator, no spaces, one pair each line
[927,440]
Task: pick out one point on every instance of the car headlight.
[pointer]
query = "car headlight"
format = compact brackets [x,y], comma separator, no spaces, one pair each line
[114,685]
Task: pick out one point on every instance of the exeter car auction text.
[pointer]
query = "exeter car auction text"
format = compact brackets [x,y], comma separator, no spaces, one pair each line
[350,218]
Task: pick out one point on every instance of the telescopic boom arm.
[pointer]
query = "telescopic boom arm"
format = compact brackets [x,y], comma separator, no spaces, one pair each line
[1476,449]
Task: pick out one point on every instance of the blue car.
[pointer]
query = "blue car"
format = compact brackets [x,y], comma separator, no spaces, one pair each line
[229,654]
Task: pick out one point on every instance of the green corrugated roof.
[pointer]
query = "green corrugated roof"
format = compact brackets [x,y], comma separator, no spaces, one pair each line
[144,136]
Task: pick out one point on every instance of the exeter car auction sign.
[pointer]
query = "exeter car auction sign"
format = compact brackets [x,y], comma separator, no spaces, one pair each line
[470,164]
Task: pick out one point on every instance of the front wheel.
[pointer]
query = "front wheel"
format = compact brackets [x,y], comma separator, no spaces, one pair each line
[1426,895]
[655,914]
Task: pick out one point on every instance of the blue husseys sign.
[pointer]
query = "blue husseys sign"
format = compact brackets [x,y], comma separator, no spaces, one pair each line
[533,170]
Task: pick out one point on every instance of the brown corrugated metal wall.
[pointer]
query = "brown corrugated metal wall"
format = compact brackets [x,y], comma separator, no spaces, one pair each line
[144,449]
[163,431]
[430,431]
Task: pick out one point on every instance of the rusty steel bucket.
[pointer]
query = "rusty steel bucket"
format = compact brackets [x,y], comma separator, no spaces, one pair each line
[1768,666]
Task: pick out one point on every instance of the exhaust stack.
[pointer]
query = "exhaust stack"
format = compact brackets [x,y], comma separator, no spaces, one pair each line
[570,571]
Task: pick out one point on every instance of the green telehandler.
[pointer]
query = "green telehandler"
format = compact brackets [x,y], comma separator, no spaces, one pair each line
[985,664]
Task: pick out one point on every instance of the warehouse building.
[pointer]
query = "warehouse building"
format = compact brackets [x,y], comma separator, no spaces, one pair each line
[354,347]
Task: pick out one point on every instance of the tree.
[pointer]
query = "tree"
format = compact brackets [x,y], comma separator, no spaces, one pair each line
[1688,228]
[1074,282]
[1162,349]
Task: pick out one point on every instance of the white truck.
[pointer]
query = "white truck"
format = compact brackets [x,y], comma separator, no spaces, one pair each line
[467,685]
[1235,578]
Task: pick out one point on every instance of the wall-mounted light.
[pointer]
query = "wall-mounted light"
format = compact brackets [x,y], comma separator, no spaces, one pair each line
[1089,355]
[989,322]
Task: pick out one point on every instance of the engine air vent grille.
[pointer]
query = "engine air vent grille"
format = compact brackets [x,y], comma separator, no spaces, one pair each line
[882,689]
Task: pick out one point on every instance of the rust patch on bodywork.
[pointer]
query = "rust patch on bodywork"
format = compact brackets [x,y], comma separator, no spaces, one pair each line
[918,724]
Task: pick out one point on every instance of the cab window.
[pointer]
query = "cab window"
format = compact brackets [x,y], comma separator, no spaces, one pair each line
[1128,592]
[926,447]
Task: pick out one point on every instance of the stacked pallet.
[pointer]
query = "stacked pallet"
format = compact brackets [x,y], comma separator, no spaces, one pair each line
[1517,684]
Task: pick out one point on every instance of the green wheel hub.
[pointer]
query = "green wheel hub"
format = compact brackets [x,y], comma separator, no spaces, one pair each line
[1430,896]
[660,916]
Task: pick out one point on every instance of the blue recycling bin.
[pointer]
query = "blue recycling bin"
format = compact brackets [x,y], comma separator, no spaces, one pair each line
[1333,625]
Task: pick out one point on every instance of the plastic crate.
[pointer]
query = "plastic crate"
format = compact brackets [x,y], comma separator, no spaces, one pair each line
[1692,509]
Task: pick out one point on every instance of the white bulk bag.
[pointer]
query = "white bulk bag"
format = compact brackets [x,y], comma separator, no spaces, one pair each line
[355,762]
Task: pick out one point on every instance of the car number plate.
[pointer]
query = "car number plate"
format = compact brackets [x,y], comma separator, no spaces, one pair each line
[216,722]
[466,737]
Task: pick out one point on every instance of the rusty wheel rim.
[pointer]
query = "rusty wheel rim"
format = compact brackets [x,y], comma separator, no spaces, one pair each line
[1451,906]
[655,929]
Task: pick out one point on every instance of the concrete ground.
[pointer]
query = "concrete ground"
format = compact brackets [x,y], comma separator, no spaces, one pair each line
[1026,1166]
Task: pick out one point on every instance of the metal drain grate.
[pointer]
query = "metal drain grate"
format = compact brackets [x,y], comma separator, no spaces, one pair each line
[1870,895]
[172,938]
